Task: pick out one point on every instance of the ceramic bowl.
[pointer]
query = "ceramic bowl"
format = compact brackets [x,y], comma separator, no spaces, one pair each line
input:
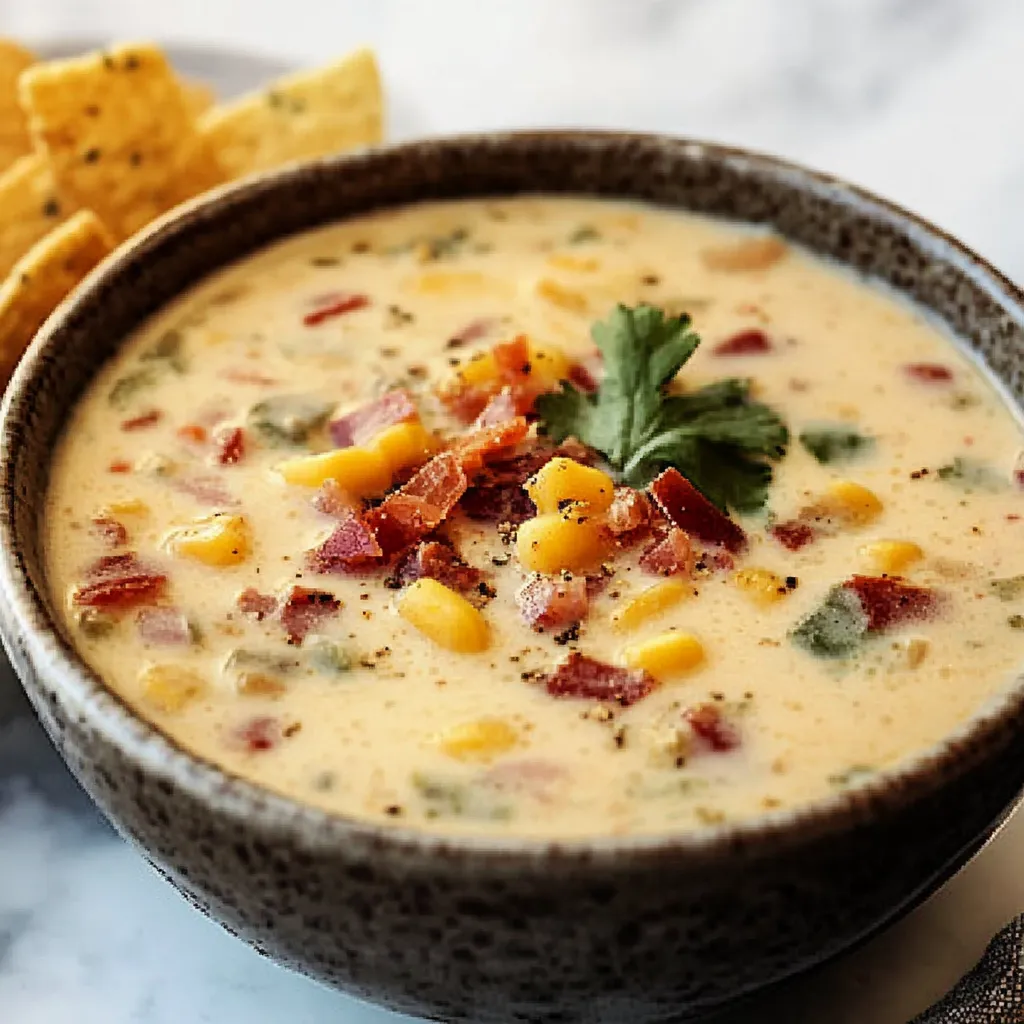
[642,929]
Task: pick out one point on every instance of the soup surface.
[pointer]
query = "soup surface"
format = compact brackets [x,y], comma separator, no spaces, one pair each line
[580,657]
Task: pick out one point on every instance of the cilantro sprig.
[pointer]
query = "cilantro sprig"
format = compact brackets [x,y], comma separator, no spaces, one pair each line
[715,436]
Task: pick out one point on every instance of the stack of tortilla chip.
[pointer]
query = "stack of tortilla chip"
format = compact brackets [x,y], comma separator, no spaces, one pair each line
[94,148]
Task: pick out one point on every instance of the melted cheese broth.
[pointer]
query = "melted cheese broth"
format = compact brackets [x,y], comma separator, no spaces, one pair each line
[368,742]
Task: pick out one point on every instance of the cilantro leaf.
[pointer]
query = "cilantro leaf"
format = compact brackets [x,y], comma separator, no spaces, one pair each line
[716,436]
[830,444]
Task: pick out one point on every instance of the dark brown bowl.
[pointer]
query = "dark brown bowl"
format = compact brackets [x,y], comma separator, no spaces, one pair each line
[637,929]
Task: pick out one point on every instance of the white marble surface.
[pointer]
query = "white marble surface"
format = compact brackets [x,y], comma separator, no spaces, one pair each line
[921,100]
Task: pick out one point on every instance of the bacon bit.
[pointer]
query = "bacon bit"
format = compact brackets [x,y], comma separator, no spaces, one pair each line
[120,581]
[364,423]
[746,343]
[688,509]
[465,403]
[164,627]
[793,534]
[247,377]
[332,500]
[553,603]
[192,433]
[889,602]
[498,503]
[259,734]
[206,489]
[479,447]
[630,510]
[143,420]
[330,306]
[928,373]
[304,610]
[669,555]
[437,561]
[119,466]
[473,331]
[500,408]
[580,676]
[708,724]
[251,602]
[352,547]
[582,378]
[230,444]
[110,531]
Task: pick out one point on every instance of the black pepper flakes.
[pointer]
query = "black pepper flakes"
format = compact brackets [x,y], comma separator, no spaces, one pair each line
[91,155]
[792,583]
[568,635]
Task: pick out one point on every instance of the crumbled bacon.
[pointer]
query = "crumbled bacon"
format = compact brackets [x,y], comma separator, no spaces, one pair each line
[360,425]
[251,602]
[793,534]
[110,531]
[352,547]
[688,509]
[548,603]
[259,734]
[326,307]
[481,446]
[500,408]
[588,678]
[206,489]
[710,725]
[670,554]
[230,446]
[888,602]
[928,373]
[304,610]
[437,561]
[332,500]
[630,510]
[163,627]
[143,420]
[744,343]
[120,581]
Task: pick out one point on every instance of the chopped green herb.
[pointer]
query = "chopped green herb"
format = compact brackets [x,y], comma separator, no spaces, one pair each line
[584,233]
[168,349]
[852,775]
[836,629]
[288,419]
[245,660]
[972,475]
[716,436]
[95,623]
[1009,588]
[835,444]
[127,387]
[329,657]
[453,798]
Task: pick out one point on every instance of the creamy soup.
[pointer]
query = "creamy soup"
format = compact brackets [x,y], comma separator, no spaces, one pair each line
[333,522]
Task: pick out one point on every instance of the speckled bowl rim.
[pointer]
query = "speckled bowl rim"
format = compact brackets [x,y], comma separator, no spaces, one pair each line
[86,696]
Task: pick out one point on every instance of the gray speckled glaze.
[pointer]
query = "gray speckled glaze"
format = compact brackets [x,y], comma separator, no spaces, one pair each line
[634,930]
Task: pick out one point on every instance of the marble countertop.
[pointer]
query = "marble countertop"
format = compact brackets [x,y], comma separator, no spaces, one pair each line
[920,100]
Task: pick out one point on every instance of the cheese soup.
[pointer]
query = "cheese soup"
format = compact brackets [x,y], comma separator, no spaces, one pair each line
[546,516]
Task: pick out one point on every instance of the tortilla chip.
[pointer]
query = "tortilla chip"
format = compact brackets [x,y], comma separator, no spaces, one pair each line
[15,140]
[199,97]
[309,114]
[43,278]
[29,208]
[119,134]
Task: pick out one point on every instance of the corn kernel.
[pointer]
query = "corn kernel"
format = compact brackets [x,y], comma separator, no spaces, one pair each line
[127,507]
[853,503]
[360,471]
[578,264]
[479,740]
[562,480]
[665,655]
[650,602]
[443,616]
[761,585]
[170,687]
[892,556]
[548,365]
[404,445]
[220,539]
[454,282]
[552,543]
[479,371]
[559,295]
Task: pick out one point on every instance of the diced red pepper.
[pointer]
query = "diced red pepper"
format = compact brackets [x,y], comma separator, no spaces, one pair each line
[688,509]
[119,466]
[929,373]
[751,342]
[192,433]
[329,306]
[259,734]
[143,420]
[230,446]
[588,678]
